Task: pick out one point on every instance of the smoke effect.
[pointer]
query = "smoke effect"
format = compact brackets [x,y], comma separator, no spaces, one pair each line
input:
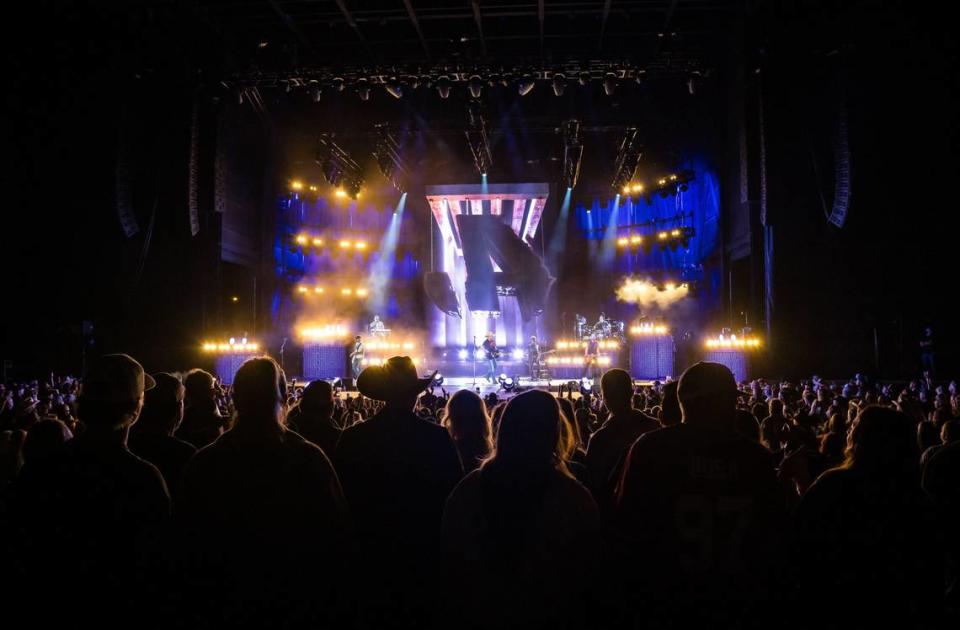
[646,293]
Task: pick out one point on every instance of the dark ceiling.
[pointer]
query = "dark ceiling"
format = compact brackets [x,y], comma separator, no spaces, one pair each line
[298,33]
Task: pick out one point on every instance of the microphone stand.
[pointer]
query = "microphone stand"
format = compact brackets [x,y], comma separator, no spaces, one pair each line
[473,361]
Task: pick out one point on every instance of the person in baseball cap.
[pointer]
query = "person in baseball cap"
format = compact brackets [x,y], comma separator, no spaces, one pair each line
[708,395]
[111,394]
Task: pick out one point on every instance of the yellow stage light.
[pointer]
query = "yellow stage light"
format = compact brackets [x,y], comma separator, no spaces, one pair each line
[674,232]
[346,291]
[361,245]
[318,289]
[662,235]
[301,239]
[345,244]
[638,188]
[302,289]
[622,241]
[318,242]
[296,185]
[626,190]
[340,192]
[361,293]
[636,240]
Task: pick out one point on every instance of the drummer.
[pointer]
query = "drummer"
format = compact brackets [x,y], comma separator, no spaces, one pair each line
[603,327]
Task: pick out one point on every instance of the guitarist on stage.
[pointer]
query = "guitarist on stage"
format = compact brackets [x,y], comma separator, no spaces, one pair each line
[534,357]
[356,357]
[491,354]
[590,356]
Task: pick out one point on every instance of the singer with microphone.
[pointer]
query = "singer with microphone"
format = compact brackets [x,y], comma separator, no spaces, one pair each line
[491,354]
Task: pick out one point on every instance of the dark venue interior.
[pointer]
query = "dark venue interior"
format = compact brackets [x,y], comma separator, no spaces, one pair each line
[599,314]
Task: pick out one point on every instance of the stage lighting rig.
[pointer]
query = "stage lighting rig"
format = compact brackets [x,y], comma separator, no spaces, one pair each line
[628,158]
[673,238]
[338,168]
[477,137]
[664,186]
[572,152]
[387,154]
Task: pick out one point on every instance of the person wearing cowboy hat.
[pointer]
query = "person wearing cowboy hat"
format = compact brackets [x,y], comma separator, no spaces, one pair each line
[491,354]
[397,470]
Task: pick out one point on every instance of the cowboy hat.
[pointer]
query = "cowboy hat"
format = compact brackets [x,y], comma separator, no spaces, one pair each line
[397,378]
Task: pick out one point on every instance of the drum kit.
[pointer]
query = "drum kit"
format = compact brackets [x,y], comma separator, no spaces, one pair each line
[603,329]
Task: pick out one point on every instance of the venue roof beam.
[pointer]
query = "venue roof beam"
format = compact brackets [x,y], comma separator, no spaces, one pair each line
[353,24]
[416,26]
[603,21]
[479,21]
[290,24]
[541,13]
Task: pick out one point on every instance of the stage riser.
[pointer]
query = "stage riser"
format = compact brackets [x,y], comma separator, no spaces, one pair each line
[738,362]
[226,366]
[652,358]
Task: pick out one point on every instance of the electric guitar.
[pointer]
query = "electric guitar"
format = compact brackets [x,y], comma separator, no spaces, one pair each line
[539,356]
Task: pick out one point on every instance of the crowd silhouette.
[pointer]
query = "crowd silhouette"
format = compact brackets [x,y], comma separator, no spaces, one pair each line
[170,500]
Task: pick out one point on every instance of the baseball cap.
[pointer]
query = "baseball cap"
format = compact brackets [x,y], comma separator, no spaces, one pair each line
[116,378]
[706,380]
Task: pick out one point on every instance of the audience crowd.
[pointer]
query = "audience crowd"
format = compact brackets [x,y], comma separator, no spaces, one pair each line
[170,500]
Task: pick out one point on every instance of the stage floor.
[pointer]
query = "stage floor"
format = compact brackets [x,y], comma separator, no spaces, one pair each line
[455,384]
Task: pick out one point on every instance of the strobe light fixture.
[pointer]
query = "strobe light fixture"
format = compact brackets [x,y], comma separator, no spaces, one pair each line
[363,88]
[394,88]
[609,83]
[525,85]
[559,83]
[443,86]
[475,85]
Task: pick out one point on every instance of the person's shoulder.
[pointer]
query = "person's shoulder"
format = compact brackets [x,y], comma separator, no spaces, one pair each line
[945,453]
[296,443]
[660,437]
[572,488]
[645,420]
[431,429]
[141,471]
[832,480]
[750,448]
[466,493]
[468,485]
[181,447]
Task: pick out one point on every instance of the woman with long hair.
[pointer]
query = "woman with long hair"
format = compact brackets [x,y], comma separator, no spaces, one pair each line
[465,417]
[516,527]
